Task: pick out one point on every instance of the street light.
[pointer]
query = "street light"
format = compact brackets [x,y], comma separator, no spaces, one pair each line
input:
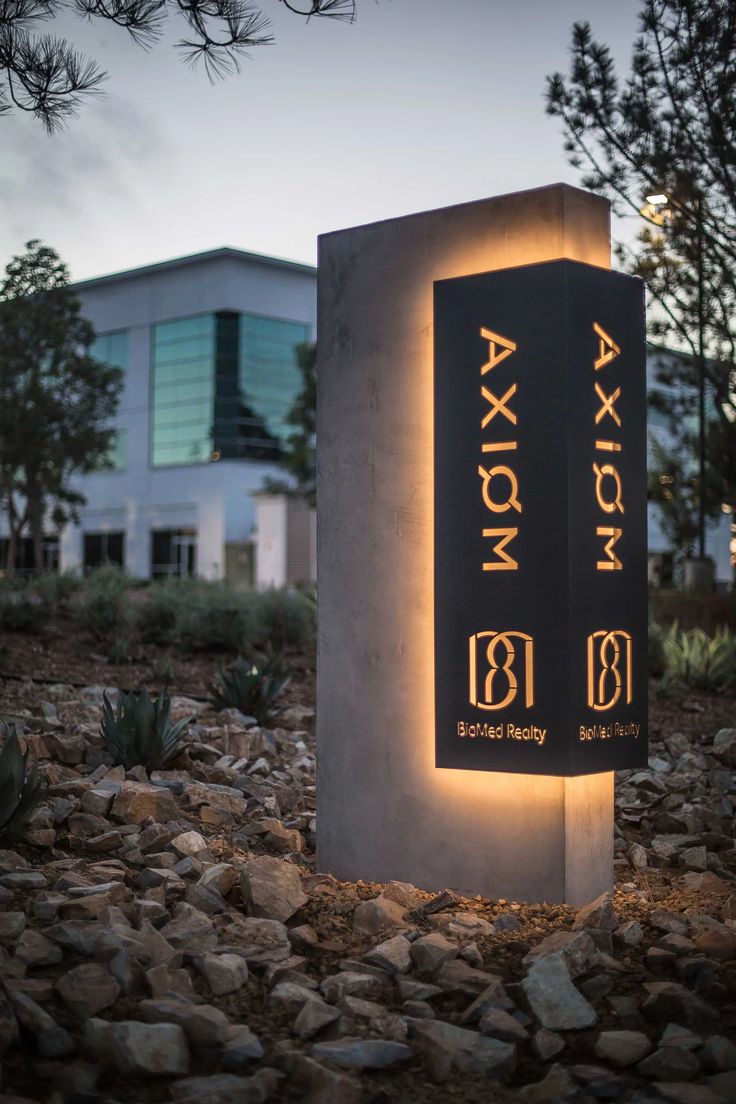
[659,212]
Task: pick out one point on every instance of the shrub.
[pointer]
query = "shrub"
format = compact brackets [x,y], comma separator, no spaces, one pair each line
[21,786]
[252,687]
[656,649]
[219,617]
[284,619]
[102,607]
[23,611]
[56,589]
[692,658]
[140,733]
[159,617]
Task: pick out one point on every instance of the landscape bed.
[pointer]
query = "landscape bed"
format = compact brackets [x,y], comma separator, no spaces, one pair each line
[120,903]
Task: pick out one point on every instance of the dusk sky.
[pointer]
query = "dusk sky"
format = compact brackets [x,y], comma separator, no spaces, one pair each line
[419,104]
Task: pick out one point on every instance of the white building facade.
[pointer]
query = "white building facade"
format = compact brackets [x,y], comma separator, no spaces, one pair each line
[207,347]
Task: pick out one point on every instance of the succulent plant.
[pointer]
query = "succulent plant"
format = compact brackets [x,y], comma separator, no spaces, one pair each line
[692,658]
[140,732]
[252,687]
[21,785]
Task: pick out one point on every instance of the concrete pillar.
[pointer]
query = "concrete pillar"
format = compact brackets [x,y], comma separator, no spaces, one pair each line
[385,812]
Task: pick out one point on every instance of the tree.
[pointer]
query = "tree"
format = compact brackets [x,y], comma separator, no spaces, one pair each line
[670,129]
[56,400]
[300,455]
[48,77]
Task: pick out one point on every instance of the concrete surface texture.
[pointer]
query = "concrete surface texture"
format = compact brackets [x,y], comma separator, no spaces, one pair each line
[385,812]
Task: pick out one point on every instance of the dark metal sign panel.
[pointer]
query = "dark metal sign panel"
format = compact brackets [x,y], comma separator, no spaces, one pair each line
[540,521]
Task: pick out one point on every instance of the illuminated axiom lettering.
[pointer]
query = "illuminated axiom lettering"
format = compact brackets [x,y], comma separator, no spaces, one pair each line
[505,562]
[607,405]
[496,342]
[607,650]
[498,406]
[503,494]
[512,501]
[608,504]
[613,563]
[487,690]
[608,350]
[608,485]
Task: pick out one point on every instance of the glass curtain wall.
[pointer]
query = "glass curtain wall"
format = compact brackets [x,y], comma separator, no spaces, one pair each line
[222,387]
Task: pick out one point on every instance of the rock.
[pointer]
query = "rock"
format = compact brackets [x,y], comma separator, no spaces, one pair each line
[227,1088]
[24,879]
[163,981]
[242,1048]
[87,989]
[203,1025]
[557,1085]
[291,996]
[718,1054]
[403,893]
[272,888]
[629,934]
[668,921]
[259,940]
[224,973]
[576,948]
[547,1044]
[35,949]
[325,1086]
[394,955]
[372,917]
[313,1016]
[362,1053]
[469,924]
[622,1048]
[446,1047]
[52,1041]
[429,952]
[598,914]
[553,998]
[724,745]
[498,1024]
[12,925]
[669,1064]
[717,942]
[137,801]
[350,984]
[188,844]
[668,1001]
[134,1048]
[190,930]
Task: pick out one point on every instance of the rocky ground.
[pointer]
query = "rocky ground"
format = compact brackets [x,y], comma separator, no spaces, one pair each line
[169,938]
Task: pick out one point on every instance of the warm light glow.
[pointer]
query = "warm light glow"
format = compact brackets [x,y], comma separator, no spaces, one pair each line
[608,350]
[494,340]
[506,562]
[608,505]
[485,701]
[658,200]
[607,656]
[607,405]
[613,563]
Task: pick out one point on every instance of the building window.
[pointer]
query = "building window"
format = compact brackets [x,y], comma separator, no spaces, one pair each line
[173,552]
[222,387]
[269,375]
[183,360]
[111,348]
[103,548]
[24,562]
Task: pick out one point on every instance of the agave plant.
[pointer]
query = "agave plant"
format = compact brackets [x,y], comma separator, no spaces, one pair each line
[21,786]
[695,659]
[140,733]
[252,687]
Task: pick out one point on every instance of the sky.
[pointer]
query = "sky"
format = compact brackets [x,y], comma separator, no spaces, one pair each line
[419,104]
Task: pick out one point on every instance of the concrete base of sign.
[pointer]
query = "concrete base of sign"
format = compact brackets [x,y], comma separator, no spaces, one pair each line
[385,811]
